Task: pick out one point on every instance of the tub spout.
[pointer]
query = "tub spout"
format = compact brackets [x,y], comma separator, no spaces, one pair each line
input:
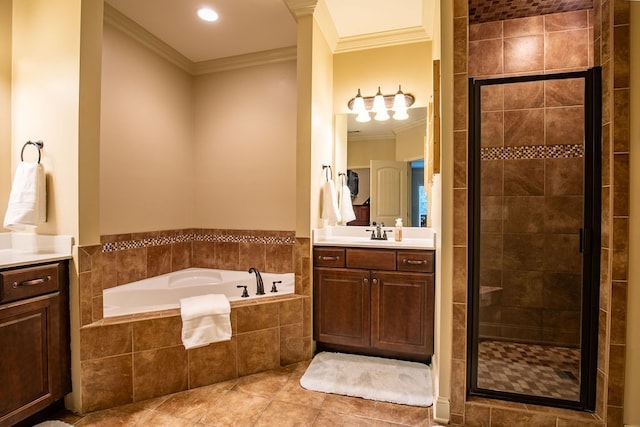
[259,284]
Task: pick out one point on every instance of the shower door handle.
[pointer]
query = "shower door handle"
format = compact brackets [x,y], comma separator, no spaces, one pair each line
[585,240]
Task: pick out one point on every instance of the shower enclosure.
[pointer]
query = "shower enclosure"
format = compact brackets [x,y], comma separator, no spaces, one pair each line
[534,238]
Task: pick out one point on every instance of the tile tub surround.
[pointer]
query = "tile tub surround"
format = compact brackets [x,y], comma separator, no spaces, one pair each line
[134,358]
[272,250]
[126,258]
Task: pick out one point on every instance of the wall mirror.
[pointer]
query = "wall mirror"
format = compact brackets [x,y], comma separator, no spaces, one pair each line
[388,158]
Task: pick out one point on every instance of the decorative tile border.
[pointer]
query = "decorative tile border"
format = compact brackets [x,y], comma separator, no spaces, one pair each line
[195,237]
[532,152]
[498,10]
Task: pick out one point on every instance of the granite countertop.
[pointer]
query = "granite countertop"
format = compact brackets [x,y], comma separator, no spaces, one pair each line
[19,249]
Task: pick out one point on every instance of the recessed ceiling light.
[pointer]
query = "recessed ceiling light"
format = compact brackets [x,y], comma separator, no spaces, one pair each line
[207,14]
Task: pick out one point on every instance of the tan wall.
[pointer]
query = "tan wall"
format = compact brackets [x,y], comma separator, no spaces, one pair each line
[245,148]
[408,65]
[322,145]
[146,151]
[410,143]
[5,105]
[360,152]
[46,50]
[632,376]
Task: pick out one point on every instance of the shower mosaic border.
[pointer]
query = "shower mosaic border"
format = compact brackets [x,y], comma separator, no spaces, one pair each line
[196,237]
[532,152]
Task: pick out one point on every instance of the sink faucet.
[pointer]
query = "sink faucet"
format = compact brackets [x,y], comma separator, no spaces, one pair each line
[259,284]
[378,233]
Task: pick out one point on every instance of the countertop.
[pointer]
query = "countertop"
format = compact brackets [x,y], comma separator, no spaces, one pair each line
[359,237]
[19,249]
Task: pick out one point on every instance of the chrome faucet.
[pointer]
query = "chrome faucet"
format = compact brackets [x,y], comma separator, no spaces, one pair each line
[259,284]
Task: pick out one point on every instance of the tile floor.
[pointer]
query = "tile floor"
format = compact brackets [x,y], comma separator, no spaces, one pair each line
[531,369]
[273,398]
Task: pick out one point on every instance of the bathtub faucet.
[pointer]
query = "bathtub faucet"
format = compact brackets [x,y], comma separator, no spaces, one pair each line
[259,284]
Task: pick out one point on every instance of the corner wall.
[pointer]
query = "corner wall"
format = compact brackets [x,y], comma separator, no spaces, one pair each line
[632,374]
[5,104]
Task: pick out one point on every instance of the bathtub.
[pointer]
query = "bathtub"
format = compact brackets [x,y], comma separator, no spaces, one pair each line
[164,292]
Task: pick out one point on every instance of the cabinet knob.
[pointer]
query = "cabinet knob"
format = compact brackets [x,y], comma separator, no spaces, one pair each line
[365,280]
[374,281]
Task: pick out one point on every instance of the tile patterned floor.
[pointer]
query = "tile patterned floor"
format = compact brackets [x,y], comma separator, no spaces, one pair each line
[529,369]
[273,398]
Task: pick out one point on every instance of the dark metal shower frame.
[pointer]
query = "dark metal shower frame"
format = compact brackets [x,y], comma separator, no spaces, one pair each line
[589,239]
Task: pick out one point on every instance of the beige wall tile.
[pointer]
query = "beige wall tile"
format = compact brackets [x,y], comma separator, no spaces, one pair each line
[159,372]
[106,382]
[258,351]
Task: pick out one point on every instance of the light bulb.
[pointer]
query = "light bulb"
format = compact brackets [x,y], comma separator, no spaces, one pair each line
[363,117]
[207,14]
[382,115]
[378,103]
[358,104]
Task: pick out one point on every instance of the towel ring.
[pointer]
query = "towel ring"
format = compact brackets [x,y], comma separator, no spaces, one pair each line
[38,144]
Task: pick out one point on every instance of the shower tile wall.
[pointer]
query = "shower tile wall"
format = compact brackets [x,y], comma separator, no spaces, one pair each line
[531,176]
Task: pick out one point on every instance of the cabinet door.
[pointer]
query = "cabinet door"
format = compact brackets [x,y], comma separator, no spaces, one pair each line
[30,360]
[402,307]
[341,302]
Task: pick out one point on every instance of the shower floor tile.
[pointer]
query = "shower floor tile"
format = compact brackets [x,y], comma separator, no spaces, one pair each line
[532,369]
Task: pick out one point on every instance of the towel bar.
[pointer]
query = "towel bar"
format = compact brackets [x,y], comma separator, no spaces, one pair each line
[38,144]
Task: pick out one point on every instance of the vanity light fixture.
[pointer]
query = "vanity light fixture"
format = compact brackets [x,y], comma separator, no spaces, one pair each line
[207,14]
[380,104]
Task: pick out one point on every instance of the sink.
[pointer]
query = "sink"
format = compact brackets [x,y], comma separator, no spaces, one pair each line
[413,237]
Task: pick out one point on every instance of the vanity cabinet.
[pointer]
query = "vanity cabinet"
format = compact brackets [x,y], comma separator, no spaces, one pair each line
[34,339]
[377,302]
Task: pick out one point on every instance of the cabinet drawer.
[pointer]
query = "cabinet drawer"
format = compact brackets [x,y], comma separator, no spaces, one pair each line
[415,261]
[329,257]
[28,282]
[371,259]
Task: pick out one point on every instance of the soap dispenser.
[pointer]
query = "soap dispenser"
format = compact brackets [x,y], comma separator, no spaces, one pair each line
[398,230]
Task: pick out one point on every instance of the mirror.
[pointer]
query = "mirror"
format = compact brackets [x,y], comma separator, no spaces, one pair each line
[388,158]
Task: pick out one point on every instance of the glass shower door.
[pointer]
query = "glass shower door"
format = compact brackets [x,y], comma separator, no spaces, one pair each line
[532,210]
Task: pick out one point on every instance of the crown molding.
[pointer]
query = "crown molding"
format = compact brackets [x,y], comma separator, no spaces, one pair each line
[123,23]
[382,39]
[131,28]
[247,60]
[299,8]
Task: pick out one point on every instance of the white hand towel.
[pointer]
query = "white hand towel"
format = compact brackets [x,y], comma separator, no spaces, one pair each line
[330,210]
[346,207]
[28,199]
[205,320]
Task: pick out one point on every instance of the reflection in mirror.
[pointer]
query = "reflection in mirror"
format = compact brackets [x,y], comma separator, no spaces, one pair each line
[387,160]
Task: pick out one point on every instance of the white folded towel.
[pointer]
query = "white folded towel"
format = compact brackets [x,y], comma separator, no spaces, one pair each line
[330,210]
[205,319]
[346,207]
[28,200]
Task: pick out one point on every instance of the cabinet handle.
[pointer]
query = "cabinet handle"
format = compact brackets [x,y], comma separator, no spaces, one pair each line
[414,261]
[375,281]
[328,258]
[32,282]
[365,280]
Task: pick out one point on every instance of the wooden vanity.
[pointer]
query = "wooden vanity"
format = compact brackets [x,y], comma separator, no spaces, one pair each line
[374,301]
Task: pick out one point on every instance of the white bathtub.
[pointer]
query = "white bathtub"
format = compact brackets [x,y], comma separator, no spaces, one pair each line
[164,292]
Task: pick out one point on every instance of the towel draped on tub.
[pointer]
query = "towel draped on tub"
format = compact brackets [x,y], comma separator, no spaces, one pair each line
[205,320]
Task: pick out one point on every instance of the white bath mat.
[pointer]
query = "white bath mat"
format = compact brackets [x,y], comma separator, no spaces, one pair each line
[54,423]
[375,378]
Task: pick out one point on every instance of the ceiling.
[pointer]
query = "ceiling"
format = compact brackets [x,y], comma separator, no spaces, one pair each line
[249,26]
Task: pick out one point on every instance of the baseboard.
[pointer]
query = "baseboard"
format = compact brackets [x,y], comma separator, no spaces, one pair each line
[442,410]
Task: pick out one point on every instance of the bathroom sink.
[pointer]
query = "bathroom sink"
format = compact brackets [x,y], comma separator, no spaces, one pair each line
[413,237]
